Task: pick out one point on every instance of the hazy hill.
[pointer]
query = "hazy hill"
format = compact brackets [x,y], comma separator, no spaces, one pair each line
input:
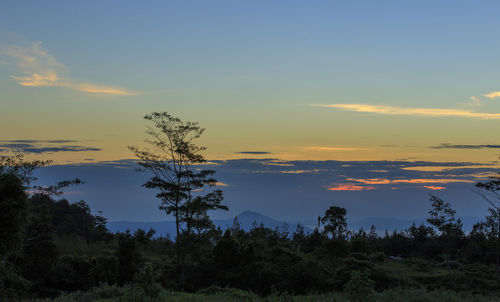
[391,224]
[246,219]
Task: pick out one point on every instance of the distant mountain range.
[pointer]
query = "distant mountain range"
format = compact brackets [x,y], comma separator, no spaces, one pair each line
[247,220]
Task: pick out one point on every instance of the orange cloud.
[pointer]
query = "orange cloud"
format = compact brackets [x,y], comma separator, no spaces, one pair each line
[48,78]
[372,181]
[428,112]
[384,181]
[296,171]
[349,187]
[444,168]
[429,180]
[91,88]
[434,188]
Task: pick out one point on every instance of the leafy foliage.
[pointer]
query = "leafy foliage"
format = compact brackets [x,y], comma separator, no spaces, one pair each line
[360,287]
[13,212]
[334,221]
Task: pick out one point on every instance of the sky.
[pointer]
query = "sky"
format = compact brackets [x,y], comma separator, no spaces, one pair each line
[293,191]
[293,81]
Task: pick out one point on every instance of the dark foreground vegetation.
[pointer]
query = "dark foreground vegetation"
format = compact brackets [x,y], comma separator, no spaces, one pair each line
[54,250]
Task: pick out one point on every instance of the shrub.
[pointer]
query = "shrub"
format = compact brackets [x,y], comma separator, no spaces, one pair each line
[360,287]
[229,293]
[145,280]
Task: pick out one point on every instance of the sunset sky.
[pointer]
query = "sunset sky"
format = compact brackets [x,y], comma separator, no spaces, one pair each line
[291,81]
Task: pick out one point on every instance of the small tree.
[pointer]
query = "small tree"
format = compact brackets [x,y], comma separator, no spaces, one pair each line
[13,217]
[490,191]
[334,221]
[16,165]
[175,162]
[443,219]
[13,212]
[16,176]
[25,232]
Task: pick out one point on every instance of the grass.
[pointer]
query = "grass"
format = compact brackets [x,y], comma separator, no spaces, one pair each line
[413,281]
[236,295]
[476,278]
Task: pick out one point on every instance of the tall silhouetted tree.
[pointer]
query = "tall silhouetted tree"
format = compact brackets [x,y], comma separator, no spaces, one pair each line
[334,221]
[174,162]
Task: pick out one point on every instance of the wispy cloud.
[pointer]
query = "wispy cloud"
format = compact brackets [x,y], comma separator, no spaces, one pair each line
[492,95]
[349,187]
[253,152]
[369,184]
[384,181]
[475,101]
[371,181]
[35,141]
[327,149]
[217,184]
[40,69]
[42,146]
[99,89]
[428,112]
[450,146]
[434,188]
[429,181]
[447,168]
[277,162]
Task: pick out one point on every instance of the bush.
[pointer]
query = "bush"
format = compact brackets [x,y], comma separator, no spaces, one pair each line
[145,280]
[103,291]
[360,287]
[11,283]
[104,269]
[229,293]
[72,273]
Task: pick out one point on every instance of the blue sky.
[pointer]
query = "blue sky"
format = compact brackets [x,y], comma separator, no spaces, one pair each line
[297,81]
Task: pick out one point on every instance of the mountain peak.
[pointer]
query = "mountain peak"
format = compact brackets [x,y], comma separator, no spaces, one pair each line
[252,214]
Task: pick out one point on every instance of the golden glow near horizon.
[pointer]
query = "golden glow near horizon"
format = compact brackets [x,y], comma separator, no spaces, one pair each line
[115,148]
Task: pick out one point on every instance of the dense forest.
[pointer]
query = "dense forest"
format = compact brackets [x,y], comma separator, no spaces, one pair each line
[52,249]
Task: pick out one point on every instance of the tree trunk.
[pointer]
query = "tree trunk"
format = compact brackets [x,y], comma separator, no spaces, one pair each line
[2,280]
[498,237]
[180,259]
